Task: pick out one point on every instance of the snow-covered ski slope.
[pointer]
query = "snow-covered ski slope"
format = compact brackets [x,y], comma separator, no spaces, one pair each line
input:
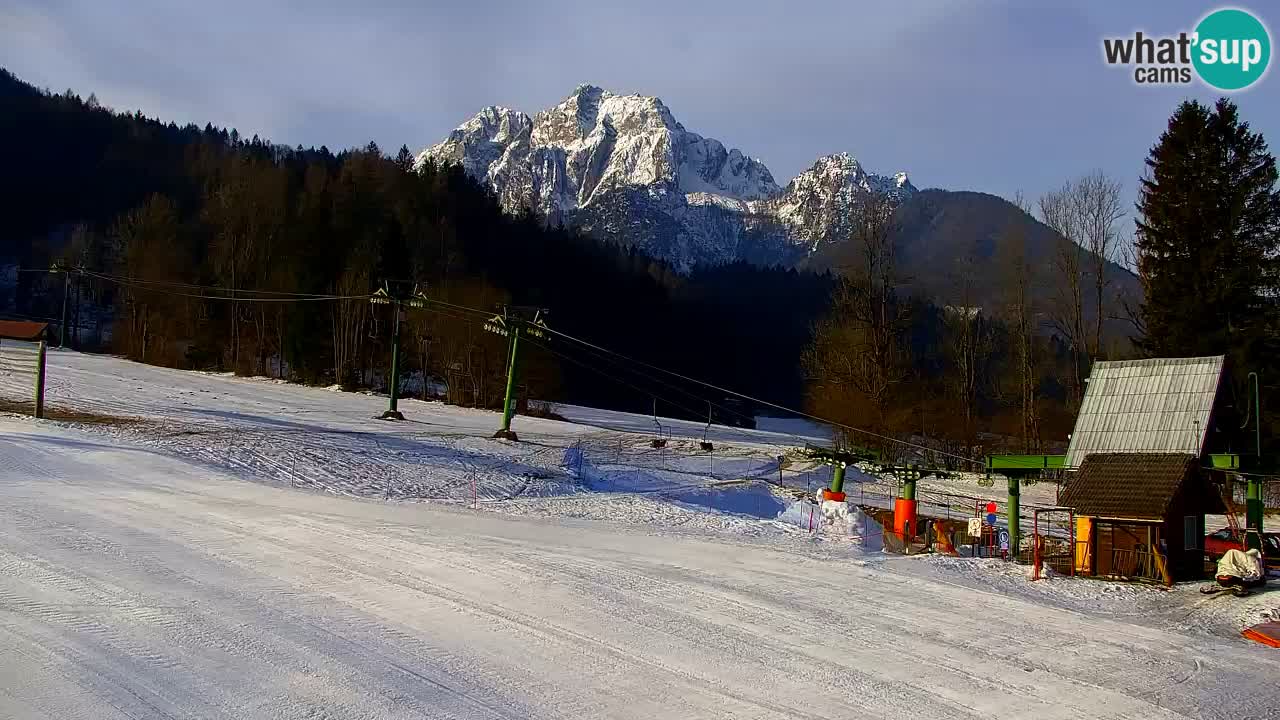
[136,585]
[314,438]
[325,440]
[140,578]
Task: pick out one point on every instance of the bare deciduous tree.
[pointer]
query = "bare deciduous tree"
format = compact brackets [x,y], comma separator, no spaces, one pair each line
[147,250]
[1019,308]
[1060,210]
[349,320]
[1130,307]
[1084,212]
[861,345]
[1098,205]
[969,343]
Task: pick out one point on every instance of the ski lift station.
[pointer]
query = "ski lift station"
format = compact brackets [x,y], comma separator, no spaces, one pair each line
[1157,446]
[1146,463]
[1141,515]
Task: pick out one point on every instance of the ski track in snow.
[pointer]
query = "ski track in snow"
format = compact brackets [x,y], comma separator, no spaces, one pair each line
[141,576]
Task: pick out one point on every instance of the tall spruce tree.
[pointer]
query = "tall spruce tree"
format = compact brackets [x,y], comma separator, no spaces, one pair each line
[1207,239]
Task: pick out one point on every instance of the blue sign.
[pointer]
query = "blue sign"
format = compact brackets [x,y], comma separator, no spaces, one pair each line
[991,518]
[1004,539]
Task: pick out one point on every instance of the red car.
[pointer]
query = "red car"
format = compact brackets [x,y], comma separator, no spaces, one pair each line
[1218,543]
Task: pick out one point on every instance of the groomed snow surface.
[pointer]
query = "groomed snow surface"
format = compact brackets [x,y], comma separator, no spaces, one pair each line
[249,549]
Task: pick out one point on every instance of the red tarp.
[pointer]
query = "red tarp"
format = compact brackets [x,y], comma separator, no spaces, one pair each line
[1267,633]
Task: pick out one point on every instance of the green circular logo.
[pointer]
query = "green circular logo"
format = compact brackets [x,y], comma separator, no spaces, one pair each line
[1232,49]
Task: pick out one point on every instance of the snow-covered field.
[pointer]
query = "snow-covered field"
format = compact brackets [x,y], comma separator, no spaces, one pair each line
[317,439]
[258,550]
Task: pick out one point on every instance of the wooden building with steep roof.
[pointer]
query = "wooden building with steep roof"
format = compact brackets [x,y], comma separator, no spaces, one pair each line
[1141,515]
[1137,481]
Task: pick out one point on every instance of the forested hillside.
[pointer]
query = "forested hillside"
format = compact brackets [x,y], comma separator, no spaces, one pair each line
[199,248]
[126,196]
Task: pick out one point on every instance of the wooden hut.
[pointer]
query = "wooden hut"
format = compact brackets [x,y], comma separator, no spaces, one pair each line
[1141,515]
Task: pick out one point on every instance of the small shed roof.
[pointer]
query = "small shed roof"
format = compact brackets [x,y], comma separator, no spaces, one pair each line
[1140,486]
[1160,405]
[22,330]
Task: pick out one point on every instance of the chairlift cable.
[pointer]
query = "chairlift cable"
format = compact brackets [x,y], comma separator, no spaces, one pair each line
[235,298]
[195,286]
[776,406]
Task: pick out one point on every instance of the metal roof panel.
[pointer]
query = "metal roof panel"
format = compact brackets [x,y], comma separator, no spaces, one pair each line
[1155,406]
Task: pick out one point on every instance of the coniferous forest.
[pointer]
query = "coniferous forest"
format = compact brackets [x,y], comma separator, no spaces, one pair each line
[168,212]
[199,248]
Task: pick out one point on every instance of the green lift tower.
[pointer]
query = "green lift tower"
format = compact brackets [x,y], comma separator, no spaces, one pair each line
[394,294]
[512,324]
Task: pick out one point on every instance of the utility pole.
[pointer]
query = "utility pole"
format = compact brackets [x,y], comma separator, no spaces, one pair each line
[40,370]
[511,324]
[399,300]
[1253,489]
[66,292]
[75,314]
[1013,508]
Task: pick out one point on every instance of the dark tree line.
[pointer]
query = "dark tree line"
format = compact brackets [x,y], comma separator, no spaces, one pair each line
[182,209]
[177,209]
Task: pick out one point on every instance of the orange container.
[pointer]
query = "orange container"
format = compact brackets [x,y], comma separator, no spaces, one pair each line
[904,518]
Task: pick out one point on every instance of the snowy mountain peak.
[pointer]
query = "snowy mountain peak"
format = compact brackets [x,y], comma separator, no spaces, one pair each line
[815,203]
[590,110]
[621,167]
[497,122]
[481,141]
[841,170]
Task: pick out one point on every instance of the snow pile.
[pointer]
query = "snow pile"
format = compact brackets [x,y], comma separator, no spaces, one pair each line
[837,519]
[801,513]
[846,519]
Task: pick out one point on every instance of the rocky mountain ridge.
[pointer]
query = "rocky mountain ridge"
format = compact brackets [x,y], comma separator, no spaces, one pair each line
[621,168]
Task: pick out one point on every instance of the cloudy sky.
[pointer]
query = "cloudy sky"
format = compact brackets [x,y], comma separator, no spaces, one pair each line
[991,96]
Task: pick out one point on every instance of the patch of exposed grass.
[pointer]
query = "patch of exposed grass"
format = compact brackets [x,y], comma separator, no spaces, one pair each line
[63,414]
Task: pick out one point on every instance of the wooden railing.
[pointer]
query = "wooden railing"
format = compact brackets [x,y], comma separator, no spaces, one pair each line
[1140,564]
